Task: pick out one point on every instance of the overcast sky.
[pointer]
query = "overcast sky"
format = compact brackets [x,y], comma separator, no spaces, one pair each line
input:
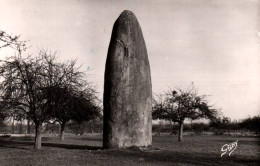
[212,43]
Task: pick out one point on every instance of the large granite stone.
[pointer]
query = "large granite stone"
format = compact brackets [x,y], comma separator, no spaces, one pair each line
[127,89]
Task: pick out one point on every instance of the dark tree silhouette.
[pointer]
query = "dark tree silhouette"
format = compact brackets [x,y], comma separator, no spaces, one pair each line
[2,115]
[70,104]
[180,105]
[85,110]
[251,124]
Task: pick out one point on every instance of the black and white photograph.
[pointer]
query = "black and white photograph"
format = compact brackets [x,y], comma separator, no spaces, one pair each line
[129,82]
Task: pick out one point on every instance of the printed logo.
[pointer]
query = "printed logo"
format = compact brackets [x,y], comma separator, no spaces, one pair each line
[229,148]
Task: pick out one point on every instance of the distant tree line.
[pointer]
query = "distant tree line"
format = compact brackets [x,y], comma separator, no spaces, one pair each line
[226,125]
[72,127]
[220,126]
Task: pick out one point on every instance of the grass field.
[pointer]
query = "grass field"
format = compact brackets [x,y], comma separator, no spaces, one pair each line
[86,150]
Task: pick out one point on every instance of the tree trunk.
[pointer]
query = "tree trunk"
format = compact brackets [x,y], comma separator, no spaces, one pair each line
[79,129]
[180,132]
[38,139]
[91,127]
[173,128]
[13,126]
[47,129]
[21,127]
[62,132]
[28,127]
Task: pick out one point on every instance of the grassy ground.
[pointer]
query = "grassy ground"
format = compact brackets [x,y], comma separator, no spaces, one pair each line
[86,150]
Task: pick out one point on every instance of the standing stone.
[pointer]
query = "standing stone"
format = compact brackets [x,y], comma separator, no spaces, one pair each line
[128,89]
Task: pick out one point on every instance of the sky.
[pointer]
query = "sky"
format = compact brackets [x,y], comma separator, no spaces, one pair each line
[213,43]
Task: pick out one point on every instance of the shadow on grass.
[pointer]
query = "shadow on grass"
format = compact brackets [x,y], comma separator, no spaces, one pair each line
[69,146]
[87,139]
[171,157]
[21,143]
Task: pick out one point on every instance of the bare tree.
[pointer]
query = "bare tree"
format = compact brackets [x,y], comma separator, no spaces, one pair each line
[183,104]
[22,89]
[12,41]
[43,89]
[66,85]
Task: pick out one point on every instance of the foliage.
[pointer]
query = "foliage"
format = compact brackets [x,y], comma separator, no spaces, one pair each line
[85,108]
[224,124]
[91,126]
[220,123]
[71,104]
[199,128]
[252,124]
[2,116]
